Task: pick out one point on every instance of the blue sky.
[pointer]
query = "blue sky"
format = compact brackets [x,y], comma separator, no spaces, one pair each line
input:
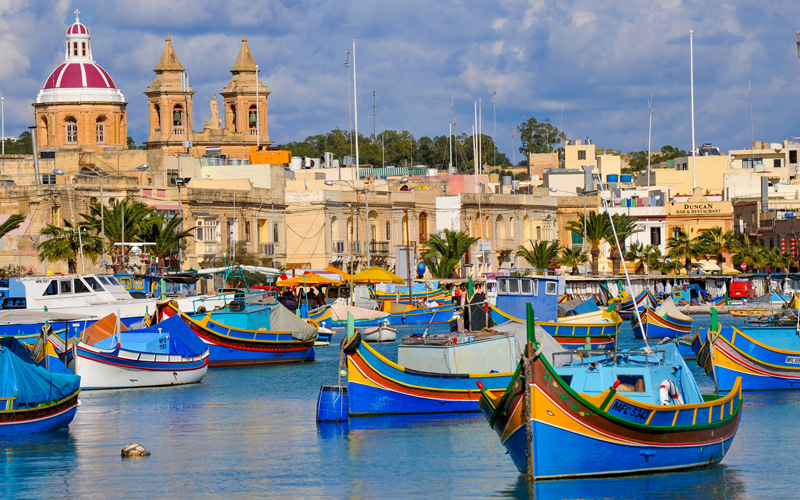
[598,61]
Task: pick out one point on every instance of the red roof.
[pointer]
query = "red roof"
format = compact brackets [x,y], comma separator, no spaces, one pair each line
[77,29]
[71,75]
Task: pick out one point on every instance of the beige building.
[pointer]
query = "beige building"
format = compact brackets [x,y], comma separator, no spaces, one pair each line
[579,153]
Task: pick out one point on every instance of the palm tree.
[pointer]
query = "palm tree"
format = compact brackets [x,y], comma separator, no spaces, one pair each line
[715,242]
[443,254]
[542,254]
[625,226]
[596,229]
[779,260]
[572,258]
[136,216]
[646,257]
[747,252]
[11,223]
[64,244]
[168,239]
[681,246]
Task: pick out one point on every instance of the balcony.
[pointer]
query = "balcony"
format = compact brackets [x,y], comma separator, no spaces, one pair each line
[178,130]
[253,132]
[379,247]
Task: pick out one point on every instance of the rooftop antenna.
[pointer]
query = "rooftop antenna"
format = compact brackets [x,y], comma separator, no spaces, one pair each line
[494,128]
[355,112]
[455,134]
[374,107]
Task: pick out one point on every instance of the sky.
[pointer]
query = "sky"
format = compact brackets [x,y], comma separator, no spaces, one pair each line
[588,66]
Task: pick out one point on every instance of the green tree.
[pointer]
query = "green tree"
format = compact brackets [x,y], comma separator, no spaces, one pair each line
[538,137]
[572,258]
[597,228]
[10,224]
[168,239]
[625,226]
[681,247]
[779,260]
[137,218]
[63,244]
[715,242]
[751,254]
[542,254]
[22,146]
[646,257]
[442,254]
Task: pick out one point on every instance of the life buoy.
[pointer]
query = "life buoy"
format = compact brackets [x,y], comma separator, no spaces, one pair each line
[668,393]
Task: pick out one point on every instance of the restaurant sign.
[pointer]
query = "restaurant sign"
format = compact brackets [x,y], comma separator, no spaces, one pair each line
[708,208]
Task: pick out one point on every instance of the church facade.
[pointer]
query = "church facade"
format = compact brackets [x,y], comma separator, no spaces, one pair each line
[170,102]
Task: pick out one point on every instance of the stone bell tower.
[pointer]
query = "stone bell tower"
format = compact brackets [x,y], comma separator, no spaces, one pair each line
[245,100]
[169,101]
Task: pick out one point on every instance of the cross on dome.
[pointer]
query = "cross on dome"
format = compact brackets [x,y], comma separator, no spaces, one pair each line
[77,13]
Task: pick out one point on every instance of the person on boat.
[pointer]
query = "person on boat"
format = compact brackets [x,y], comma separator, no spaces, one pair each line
[660,289]
[478,316]
[457,295]
[668,289]
[431,303]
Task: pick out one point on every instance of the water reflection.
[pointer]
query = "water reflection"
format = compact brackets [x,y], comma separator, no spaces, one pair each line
[717,482]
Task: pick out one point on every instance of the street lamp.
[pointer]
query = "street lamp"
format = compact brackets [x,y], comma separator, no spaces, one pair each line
[102,175]
[366,203]
[180,182]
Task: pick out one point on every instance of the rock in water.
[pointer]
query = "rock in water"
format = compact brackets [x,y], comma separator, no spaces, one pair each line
[134,450]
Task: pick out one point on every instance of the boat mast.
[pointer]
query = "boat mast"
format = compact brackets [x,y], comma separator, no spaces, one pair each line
[691,73]
[649,138]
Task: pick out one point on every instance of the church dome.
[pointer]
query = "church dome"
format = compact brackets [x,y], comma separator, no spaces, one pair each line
[79,78]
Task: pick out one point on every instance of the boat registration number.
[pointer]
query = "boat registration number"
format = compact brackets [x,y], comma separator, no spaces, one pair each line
[793,360]
[626,410]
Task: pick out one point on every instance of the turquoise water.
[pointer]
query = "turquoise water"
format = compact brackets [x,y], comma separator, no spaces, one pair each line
[251,432]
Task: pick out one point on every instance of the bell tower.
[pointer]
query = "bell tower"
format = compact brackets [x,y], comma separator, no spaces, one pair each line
[245,101]
[169,103]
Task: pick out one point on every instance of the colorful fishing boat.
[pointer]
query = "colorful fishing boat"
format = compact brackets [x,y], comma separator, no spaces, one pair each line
[248,334]
[763,358]
[609,414]
[665,321]
[718,301]
[380,333]
[405,314]
[598,328]
[33,399]
[420,292]
[109,356]
[433,374]
[626,303]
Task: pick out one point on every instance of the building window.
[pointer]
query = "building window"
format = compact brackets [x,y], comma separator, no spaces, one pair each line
[655,236]
[177,116]
[275,232]
[538,233]
[72,130]
[75,49]
[207,229]
[793,156]
[48,178]
[83,47]
[581,155]
[171,174]
[676,232]
[776,163]
[100,130]
[388,231]
[751,162]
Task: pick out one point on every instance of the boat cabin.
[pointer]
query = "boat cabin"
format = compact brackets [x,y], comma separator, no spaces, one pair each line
[66,291]
[514,292]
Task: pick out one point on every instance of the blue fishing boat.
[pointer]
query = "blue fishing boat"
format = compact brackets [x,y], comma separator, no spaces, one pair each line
[248,334]
[664,321]
[609,413]
[764,358]
[421,291]
[572,323]
[33,399]
[433,373]
[405,314]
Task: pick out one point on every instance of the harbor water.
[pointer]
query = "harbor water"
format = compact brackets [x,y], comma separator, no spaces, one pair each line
[251,432]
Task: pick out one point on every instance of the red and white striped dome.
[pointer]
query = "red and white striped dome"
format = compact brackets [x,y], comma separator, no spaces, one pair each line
[79,78]
[77,29]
